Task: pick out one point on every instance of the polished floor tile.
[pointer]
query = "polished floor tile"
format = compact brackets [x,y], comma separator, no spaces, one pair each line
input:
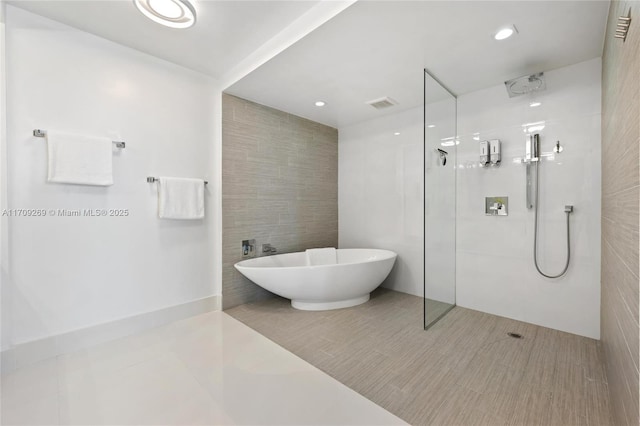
[465,370]
[209,369]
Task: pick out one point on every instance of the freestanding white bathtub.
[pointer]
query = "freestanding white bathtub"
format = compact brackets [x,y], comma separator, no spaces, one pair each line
[323,287]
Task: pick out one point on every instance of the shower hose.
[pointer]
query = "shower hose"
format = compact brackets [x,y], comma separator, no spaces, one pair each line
[535,233]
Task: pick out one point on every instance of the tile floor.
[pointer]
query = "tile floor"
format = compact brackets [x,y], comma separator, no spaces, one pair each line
[435,310]
[209,369]
[465,370]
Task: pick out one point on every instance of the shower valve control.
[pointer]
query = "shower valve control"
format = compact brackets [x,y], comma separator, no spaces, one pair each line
[248,248]
[496,206]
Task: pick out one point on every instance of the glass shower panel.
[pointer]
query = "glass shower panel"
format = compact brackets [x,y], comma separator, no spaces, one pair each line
[440,141]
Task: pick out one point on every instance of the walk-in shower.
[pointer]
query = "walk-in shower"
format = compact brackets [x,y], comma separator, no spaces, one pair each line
[521,86]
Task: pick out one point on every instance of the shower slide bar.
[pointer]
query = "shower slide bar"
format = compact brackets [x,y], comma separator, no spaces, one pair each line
[38,133]
[152,179]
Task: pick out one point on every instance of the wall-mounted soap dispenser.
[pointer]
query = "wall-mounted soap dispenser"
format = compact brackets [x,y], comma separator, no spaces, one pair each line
[490,153]
[484,153]
[494,152]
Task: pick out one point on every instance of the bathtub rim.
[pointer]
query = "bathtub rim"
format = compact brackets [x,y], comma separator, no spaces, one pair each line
[391,255]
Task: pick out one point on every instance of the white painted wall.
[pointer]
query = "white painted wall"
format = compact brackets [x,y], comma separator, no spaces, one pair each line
[495,271]
[380,192]
[70,273]
[5,306]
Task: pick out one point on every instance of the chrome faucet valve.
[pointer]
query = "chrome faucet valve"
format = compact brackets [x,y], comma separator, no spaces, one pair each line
[268,249]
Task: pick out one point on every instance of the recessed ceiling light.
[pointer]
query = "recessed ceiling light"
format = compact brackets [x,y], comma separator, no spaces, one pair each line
[320,103]
[431,126]
[535,104]
[506,32]
[397,133]
[171,13]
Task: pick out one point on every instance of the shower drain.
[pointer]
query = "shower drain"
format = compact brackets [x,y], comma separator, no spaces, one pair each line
[514,335]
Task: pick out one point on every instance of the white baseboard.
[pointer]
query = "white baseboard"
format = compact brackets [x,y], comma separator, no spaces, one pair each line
[27,353]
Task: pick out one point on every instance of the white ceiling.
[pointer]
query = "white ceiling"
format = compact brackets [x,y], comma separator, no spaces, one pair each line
[379,48]
[371,49]
[226,32]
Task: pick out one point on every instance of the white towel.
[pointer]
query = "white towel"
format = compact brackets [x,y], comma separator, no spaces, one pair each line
[180,198]
[82,160]
[321,256]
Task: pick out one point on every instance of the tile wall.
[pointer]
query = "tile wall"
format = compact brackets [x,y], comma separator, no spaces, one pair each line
[495,272]
[279,186]
[620,198]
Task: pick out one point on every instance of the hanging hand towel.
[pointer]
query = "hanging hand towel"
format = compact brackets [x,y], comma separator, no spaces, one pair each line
[180,198]
[81,160]
[321,256]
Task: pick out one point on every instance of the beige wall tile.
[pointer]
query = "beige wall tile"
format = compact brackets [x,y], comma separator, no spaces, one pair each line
[279,186]
[620,205]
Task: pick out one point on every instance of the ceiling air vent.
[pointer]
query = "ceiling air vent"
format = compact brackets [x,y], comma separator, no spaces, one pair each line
[382,103]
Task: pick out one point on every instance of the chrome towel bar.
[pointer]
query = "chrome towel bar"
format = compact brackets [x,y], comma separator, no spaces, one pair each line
[38,133]
[152,179]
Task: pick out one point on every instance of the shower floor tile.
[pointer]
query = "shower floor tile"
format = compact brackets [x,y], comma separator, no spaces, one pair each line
[435,310]
[209,369]
[464,370]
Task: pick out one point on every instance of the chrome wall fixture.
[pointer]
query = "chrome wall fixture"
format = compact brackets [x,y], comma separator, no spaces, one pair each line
[496,206]
[531,155]
[622,28]
[443,156]
[526,84]
[38,133]
[490,153]
[152,179]
[532,161]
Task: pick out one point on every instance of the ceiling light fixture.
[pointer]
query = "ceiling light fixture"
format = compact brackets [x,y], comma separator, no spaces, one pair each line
[535,104]
[505,33]
[171,13]
[320,103]
[431,126]
[397,134]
